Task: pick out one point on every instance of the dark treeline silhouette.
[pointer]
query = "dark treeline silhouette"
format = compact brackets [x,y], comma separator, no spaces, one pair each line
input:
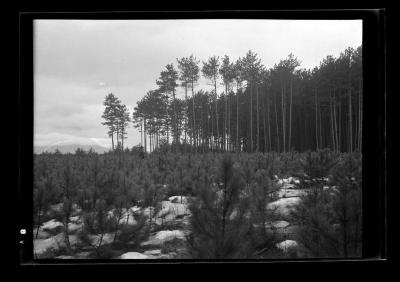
[279,109]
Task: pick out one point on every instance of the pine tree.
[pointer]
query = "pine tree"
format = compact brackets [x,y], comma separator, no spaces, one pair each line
[210,71]
[227,74]
[330,219]
[219,227]
[110,115]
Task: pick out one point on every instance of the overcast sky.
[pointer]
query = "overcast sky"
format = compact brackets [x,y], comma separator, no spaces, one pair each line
[78,62]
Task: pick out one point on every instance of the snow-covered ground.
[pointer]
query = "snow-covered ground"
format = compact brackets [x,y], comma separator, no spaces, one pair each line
[289,180]
[133,255]
[51,224]
[289,193]
[74,227]
[126,216]
[54,242]
[286,245]
[177,199]
[173,210]
[278,224]
[284,206]
[164,236]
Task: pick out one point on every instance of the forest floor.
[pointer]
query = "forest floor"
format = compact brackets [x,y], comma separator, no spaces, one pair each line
[170,227]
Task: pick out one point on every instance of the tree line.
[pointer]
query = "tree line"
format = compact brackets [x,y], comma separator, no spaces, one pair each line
[280,109]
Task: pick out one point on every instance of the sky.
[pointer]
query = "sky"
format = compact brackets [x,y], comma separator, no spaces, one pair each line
[78,62]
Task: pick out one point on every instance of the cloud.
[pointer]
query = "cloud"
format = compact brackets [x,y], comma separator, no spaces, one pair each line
[78,62]
[54,138]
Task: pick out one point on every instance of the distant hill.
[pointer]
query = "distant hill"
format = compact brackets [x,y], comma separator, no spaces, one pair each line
[69,148]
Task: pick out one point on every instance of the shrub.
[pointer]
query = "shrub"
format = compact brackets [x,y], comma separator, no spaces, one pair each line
[330,220]
[215,233]
[318,164]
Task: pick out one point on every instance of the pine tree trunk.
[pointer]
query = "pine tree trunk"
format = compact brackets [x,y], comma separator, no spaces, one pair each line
[316,118]
[66,239]
[117,135]
[361,114]
[141,133]
[210,130]
[335,122]
[229,123]
[225,116]
[340,123]
[167,123]
[276,125]
[39,217]
[151,148]
[216,114]
[237,119]
[112,140]
[210,112]
[265,128]
[332,126]
[258,121]
[175,121]
[145,136]
[350,124]
[321,143]
[283,119]
[186,119]
[269,126]
[122,137]
[251,118]
[194,120]
[290,116]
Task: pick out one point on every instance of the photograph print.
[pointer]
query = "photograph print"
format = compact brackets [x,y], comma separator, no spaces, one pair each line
[197,139]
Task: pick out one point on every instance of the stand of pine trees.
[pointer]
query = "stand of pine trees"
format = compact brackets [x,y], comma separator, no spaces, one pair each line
[279,109]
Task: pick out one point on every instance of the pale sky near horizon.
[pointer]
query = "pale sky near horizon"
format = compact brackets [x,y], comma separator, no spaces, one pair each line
[78,62]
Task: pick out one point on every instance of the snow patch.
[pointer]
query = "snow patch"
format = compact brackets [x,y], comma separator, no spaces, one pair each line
[148,211]
[177,199]
[72,227]
[51,224]
[289,180]
[284,206]
[133,255]
[288,186]
[153,253]
[82,255]
[278,224]
[286,245]
[41,234]
[170,211]
[134,209]
[65,257]
[75,219]
[288,193]
[164,236]
[55,242]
